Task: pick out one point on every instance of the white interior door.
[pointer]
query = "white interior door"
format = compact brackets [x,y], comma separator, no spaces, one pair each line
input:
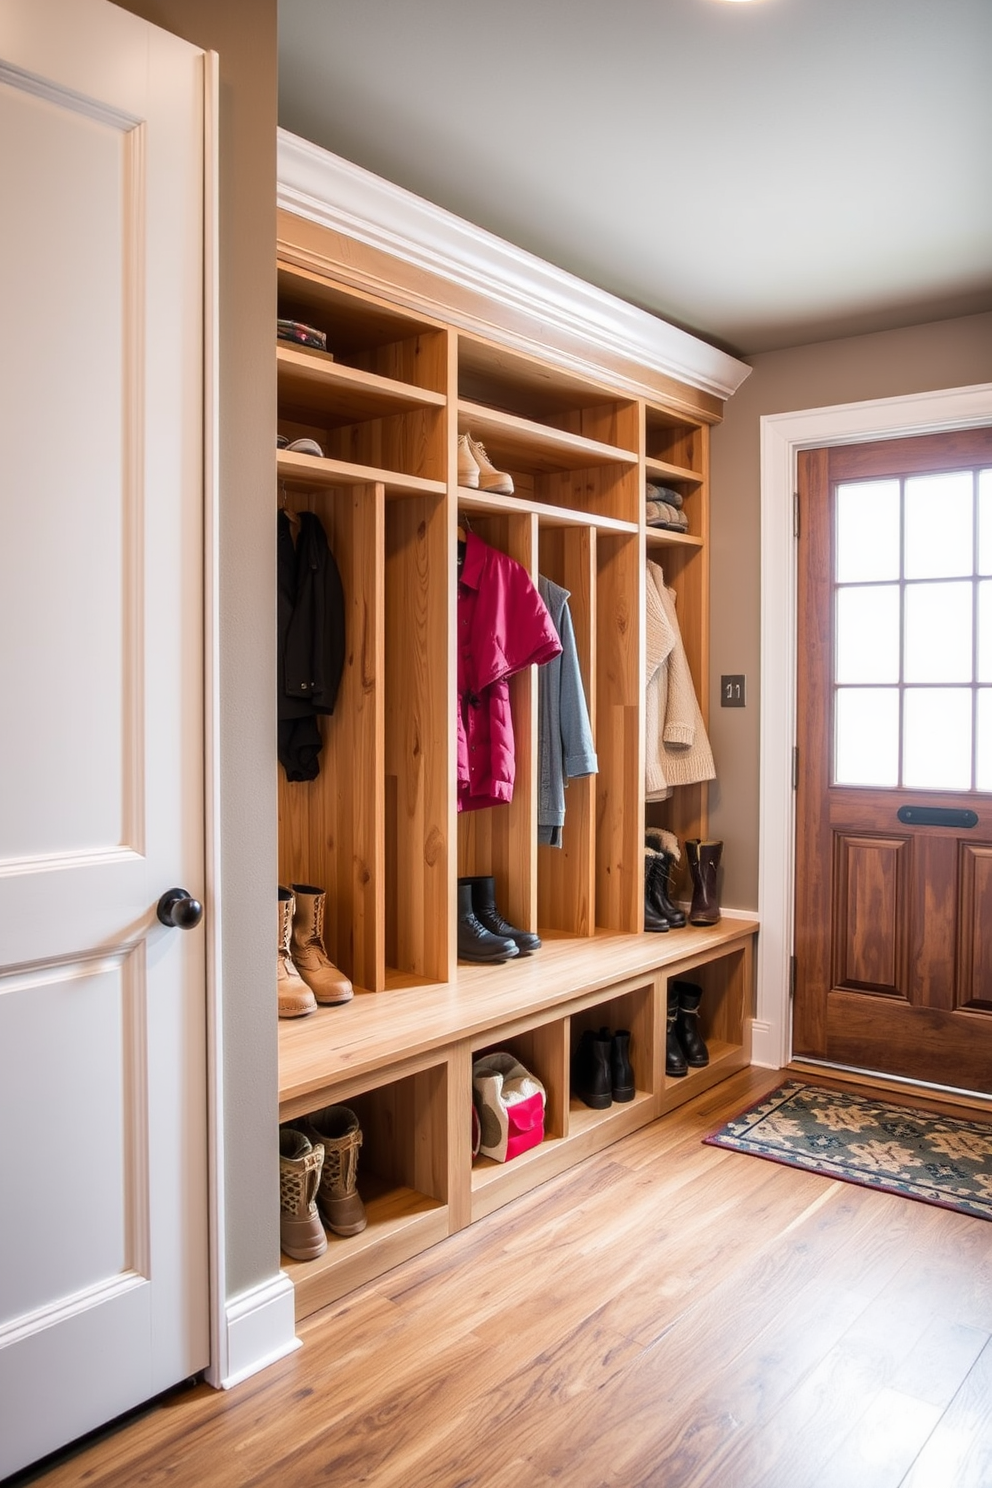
[103,1258]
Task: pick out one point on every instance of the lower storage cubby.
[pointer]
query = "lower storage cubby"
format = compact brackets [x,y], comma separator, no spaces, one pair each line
[402,1181]
[402,1061]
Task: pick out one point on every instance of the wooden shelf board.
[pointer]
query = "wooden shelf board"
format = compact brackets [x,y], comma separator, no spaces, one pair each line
[375,1031]
[725,1059]
[548,516]
[307,472]
[661,537]
[547,391]
[311,382]
[524,445]
[661,470]
[582,1118]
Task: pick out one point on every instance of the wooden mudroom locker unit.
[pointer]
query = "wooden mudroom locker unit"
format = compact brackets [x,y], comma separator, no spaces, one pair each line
[417,360]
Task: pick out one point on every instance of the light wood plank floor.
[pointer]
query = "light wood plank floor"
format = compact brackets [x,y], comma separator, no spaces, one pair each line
[666,1314]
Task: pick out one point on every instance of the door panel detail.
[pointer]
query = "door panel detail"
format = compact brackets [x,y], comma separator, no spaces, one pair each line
[975,961]
[871,895]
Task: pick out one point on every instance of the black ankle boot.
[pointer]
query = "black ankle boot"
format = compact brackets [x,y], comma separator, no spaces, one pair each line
[592,1077]
[704,860]
[488,915]
[621,1071]
[675,1063]
[687,1024]
[475,942]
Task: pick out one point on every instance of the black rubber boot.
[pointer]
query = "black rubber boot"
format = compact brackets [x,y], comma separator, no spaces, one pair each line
[475,942]
[687,1024]
[675,1062]
[488,915]
[592,1077]
[652,919]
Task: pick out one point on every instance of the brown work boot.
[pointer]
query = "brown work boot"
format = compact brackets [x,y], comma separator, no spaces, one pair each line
[325,980]
[336,1129]
[301,1233]
[295,997]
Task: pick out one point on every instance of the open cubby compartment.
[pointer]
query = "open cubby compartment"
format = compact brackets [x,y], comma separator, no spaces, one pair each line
[685,812]
[418,744]
[501,840]
[403,1180]
[566,875]
[365,333]
[331,828]
[725,1015]
[542,1049]
[619,785]
[634,1008]
[675,449]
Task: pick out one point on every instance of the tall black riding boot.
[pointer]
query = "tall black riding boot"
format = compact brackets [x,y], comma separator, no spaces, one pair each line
[704,860]
[687,1024]
[488,914]
[475,942]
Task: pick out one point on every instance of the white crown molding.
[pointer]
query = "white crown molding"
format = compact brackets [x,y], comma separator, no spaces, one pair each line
[322,187]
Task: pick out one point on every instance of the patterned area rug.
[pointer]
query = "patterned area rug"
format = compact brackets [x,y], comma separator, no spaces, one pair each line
[938,1159]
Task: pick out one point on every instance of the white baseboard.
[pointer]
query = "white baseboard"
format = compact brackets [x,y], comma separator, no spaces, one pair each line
[261,1328]
[766,1045]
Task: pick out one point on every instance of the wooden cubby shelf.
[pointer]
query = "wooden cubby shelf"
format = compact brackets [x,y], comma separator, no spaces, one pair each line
[414,361]
[536,447]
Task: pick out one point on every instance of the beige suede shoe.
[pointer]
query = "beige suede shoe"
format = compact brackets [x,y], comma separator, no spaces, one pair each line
[490,479]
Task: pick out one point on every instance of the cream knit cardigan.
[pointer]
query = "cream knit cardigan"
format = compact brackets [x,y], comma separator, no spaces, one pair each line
[677,751]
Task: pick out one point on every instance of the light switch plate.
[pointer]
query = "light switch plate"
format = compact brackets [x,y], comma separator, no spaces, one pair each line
[732,691]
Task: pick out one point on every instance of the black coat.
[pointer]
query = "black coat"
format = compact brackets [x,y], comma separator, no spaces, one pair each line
[311,642]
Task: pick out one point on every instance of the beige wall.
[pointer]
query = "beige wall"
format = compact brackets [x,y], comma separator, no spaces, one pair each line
[951,353]
[243,33]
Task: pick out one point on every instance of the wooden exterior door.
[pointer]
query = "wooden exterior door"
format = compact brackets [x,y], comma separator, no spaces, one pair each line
[103,1145]
[893,938]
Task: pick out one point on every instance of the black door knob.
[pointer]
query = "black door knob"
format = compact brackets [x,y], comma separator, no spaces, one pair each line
[178,908]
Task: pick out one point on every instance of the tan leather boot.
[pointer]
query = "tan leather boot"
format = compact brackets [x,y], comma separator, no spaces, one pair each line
[301,1233]
[295,997]
[336,1129]
[325,980]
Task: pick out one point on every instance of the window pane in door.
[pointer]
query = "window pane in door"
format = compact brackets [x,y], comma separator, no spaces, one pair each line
[868,634]
[985,522]
[866,746]
[983,741]
[937,738]
[939,525]
[938,634]
[867,531]
[985,631]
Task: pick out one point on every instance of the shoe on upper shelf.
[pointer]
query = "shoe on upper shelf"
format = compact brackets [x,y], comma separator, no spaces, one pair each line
[477,471]
[299,446]
[302,334]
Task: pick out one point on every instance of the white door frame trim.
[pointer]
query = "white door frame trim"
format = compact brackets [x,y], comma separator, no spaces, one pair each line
[783,435]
